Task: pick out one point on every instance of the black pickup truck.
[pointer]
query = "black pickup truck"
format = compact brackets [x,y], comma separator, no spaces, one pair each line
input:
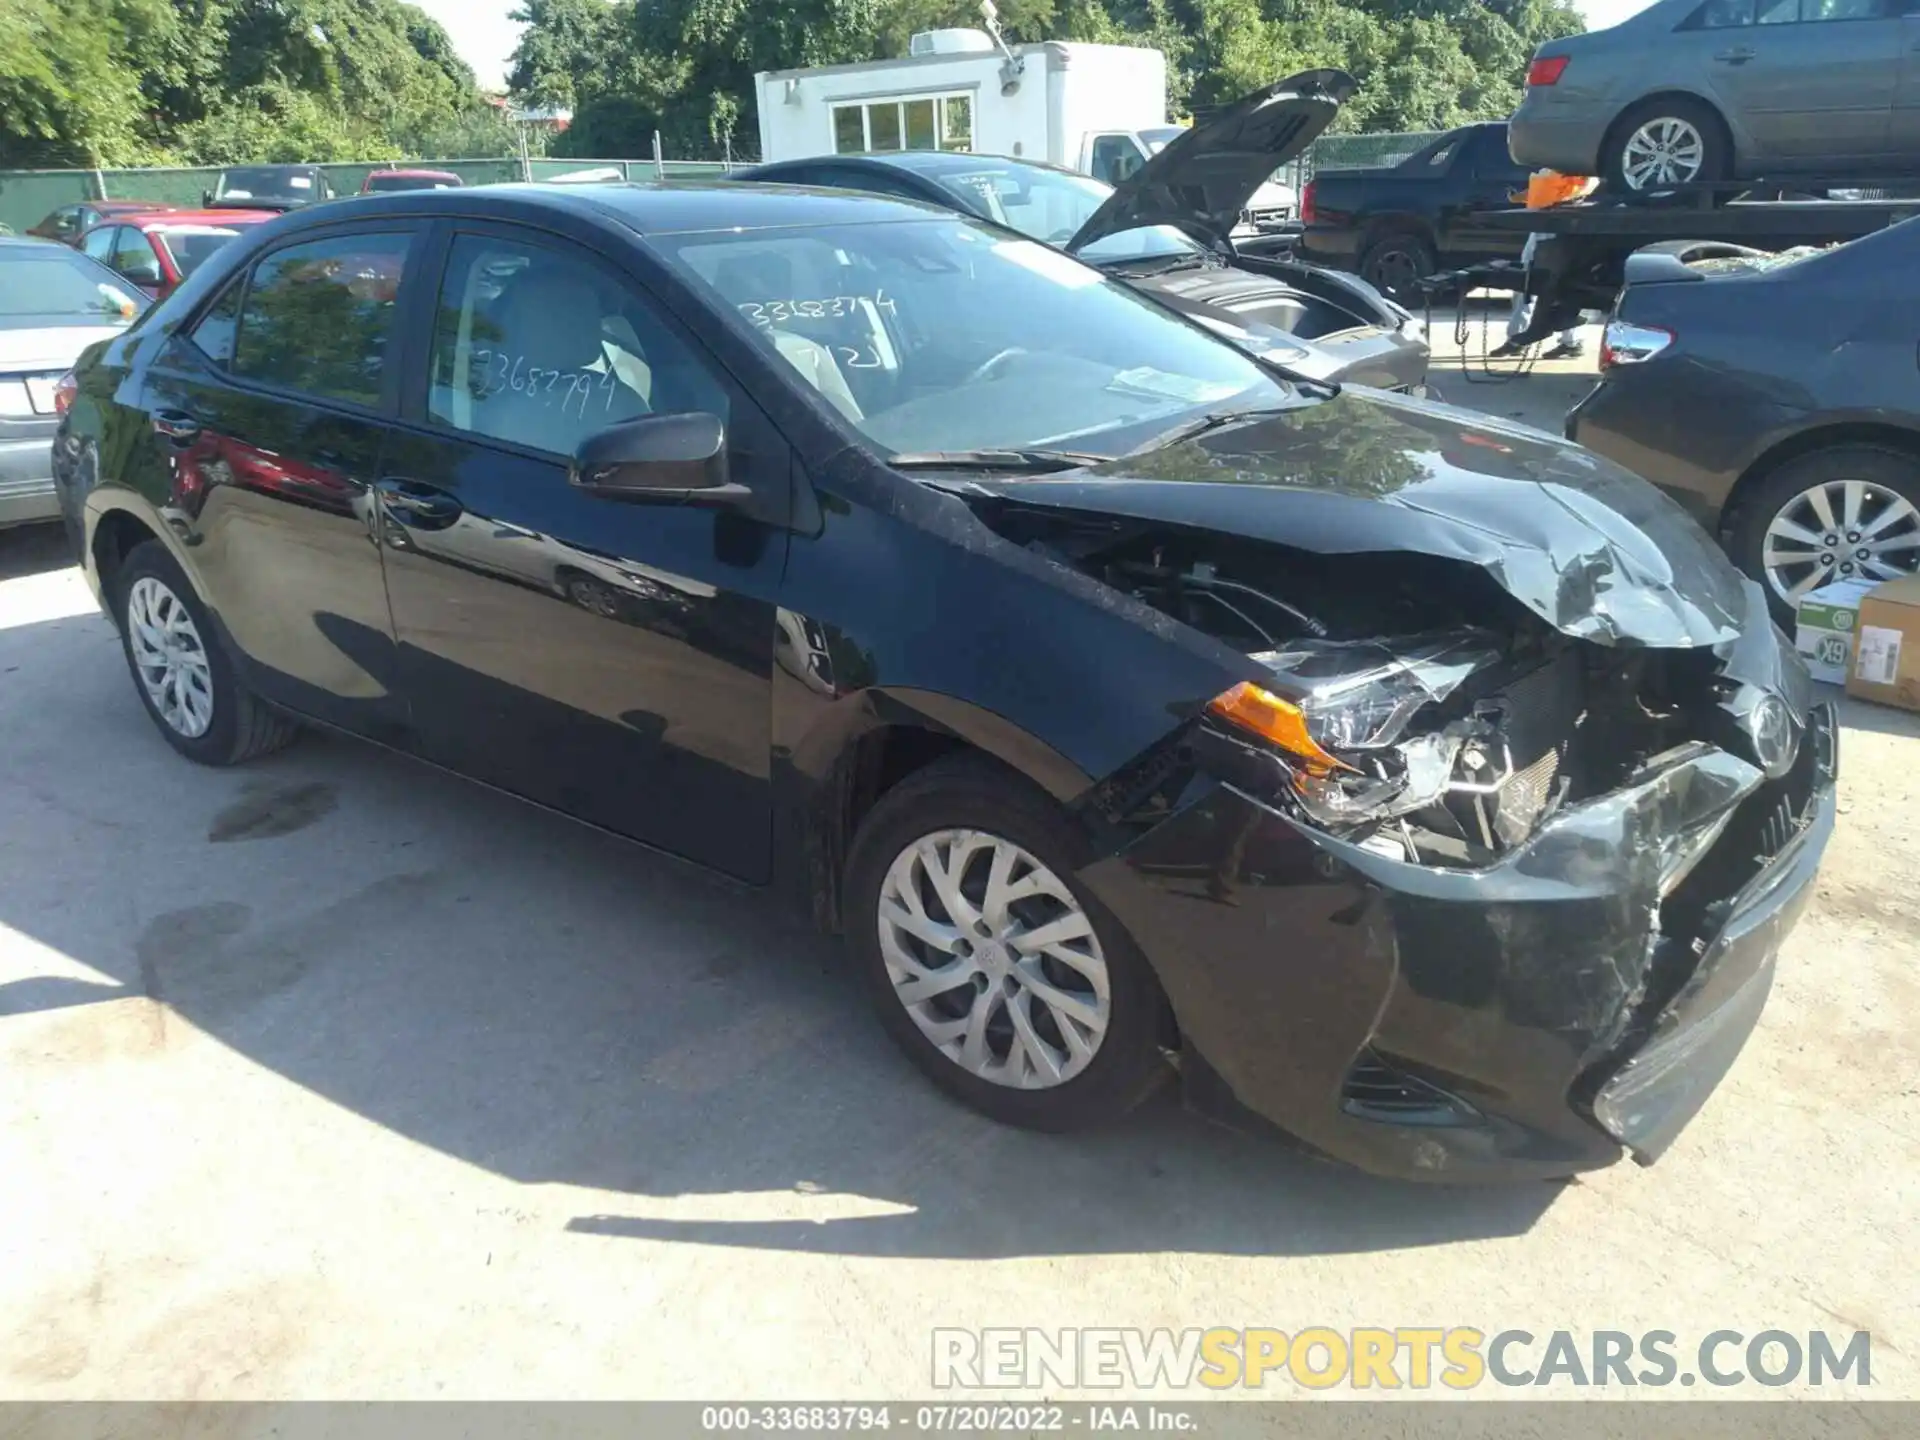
[1401,222]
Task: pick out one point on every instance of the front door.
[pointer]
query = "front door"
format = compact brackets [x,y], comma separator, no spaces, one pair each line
[1808,79]
[267,419]
[610,659]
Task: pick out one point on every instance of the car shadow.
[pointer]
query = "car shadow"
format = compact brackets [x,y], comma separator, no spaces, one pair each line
[559,1007]
[36,549]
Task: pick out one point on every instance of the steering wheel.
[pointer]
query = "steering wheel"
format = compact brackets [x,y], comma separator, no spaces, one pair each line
[986,368]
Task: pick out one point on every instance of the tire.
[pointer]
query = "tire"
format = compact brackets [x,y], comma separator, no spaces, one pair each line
[1687,128]
[1886,510]
[1395,263]
[969,794]
[216,720]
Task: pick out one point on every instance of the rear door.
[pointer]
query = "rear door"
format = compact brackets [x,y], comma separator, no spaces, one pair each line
[611,659]
[1806,79]
[267,419]
[1483,176]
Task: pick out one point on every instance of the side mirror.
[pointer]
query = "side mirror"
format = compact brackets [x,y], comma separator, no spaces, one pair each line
[206,199]
[675,459]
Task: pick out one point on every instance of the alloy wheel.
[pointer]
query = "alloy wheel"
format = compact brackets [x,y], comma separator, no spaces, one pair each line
[1664,151]
[1397,272]
[993,958]
[1840,530]
[170,657]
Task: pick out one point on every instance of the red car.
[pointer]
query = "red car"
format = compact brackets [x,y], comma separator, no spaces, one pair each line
[383,180]
[70,222]
[157,249]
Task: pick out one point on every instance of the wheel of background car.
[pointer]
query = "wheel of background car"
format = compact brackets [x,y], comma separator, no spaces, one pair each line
[1396,263]
[181,672]
[986,368]
[1011,987]
[1844,513]
[1674,141]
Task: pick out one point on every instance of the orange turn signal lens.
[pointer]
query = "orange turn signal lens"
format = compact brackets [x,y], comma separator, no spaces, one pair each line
[1274,719]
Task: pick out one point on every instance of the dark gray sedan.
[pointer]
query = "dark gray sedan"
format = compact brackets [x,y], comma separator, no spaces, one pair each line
[1699,90]
[1777,399]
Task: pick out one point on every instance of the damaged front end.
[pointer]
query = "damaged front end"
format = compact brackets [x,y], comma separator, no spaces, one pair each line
[1445,889]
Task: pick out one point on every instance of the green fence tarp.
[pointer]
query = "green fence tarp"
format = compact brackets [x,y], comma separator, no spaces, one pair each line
[28,196]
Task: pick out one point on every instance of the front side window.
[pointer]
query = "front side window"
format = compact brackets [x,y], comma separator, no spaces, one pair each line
[1723,15]
[319,317]
[542,347]
[945,335]
[98,242]
[1115,158]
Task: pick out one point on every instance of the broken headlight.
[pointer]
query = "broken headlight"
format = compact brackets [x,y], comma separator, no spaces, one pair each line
[1341,711]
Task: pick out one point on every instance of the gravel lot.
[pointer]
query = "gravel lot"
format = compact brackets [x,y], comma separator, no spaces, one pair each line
[337,1077]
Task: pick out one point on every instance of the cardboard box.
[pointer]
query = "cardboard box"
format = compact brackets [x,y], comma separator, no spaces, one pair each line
[1886,645]
[1823,629]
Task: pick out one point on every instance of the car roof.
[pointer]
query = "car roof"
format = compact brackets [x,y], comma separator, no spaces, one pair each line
[920,162]
[160,219]
[436,174]
[654,208]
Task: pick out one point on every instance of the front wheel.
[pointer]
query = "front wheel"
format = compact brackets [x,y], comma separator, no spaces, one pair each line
[183,676]
[1004,981]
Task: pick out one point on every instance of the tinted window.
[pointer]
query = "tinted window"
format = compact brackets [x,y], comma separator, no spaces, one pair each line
[544,347]
[218,328]
[1115,157]
[133,257]
[945,335]
[318,317]
[191,246]
[42,285]
[1722,15]
[265,182]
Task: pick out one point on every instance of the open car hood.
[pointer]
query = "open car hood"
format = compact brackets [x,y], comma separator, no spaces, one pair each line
[1203,179]
[1596,552]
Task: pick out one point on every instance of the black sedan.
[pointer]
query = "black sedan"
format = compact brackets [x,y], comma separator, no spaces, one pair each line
[1436,791]
[1168,229]
[1777,399]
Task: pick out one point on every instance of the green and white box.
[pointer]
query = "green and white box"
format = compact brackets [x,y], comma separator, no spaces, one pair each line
[1823,632]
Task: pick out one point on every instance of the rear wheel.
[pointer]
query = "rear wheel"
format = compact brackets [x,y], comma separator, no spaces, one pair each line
[1850,512]
[1003,980]
[1395,265]
[1665,142]
[183,676]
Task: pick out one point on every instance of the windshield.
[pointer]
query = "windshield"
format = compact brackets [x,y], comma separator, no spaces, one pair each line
[263,182]
[942,335]
[191,245]
[45,287]
[1052,205]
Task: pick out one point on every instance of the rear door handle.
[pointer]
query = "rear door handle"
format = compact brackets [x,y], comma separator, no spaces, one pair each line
[1734,57]
[413,502]
[176,426]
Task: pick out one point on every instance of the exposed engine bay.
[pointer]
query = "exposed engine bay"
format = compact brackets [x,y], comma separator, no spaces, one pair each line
[1443,722]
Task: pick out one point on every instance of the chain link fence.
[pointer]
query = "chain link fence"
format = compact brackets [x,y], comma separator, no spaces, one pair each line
[28,196]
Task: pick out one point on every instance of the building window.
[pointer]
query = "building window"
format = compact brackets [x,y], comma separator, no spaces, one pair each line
[926,122]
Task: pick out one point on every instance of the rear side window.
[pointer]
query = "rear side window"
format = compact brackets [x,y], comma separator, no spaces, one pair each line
[319,318]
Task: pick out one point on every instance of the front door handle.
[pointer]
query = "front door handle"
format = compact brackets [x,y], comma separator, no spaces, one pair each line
[176,426]
[415,503]
[1734,57]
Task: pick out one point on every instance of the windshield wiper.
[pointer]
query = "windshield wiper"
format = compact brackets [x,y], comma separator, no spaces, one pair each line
[1025,462]
[1203,424]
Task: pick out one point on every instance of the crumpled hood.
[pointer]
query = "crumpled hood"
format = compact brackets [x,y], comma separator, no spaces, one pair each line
[1202,181]
[1594,551]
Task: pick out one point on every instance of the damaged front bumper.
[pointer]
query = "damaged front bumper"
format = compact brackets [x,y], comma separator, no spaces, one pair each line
[1528,1019]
